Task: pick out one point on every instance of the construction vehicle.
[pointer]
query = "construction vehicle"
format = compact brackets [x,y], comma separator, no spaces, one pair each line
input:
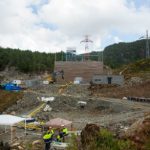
[52,78]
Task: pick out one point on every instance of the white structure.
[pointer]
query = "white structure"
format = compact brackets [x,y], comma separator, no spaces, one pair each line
[10,120]
[71,54]
[78,80]
[17,82]
[47,99]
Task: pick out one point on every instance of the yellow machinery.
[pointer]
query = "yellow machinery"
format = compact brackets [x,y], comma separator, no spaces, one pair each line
[52,78]
[63,87]
[32,125]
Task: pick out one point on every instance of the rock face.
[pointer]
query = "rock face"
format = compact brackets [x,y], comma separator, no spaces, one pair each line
[89,134]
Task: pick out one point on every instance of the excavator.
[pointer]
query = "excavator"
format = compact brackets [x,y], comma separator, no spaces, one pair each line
[52,78]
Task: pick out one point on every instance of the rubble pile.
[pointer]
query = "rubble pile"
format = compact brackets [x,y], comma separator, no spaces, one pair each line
[28,102]
[139,132]
[17,146]
[37,145]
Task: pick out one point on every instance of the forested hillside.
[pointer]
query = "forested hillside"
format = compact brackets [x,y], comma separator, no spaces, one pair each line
[26,61]
[120,54]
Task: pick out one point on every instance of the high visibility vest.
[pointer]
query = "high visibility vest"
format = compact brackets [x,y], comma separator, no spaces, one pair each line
[65,131]
[47,136]
[52,131]
[58,138]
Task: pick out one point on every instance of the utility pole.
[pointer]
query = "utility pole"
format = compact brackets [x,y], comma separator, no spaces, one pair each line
[55,56]
[147,52]
[147,45]
[102,56]
[62,55]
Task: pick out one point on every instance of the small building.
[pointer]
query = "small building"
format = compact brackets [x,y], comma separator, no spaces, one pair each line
[108,79]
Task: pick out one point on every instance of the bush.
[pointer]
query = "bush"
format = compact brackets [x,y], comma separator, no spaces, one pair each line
[105,141]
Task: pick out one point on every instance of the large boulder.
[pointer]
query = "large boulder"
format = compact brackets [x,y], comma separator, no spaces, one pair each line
[89,134]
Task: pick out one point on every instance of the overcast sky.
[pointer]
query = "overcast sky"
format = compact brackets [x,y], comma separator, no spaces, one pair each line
[54,25]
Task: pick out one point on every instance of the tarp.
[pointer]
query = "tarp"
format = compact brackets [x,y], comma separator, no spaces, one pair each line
[10,120]
[58,122]
[12,87]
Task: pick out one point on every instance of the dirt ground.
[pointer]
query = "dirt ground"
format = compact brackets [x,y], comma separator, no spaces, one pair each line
[108,112]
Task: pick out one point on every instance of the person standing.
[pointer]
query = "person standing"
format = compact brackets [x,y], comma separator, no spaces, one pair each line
[48,140]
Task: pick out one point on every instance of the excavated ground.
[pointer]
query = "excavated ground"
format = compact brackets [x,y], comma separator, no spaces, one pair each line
[108,112]
[103,111]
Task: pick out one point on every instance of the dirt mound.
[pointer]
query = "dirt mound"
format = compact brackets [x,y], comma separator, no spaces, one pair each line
[89,134]
[8,98]
[119,92]
[139,133]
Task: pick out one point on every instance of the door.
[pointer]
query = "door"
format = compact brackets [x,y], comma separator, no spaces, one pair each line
[109,80]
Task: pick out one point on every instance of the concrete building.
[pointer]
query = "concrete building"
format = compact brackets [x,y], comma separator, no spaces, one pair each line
[108,79]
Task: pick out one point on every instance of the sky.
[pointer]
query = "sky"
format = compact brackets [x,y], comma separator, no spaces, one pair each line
[54,25]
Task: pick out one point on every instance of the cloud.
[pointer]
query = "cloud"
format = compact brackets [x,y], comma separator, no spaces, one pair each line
[53,25]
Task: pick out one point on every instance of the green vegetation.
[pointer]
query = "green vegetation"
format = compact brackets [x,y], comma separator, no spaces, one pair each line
[105,141]
[139,66]
[120,54]
[27,61]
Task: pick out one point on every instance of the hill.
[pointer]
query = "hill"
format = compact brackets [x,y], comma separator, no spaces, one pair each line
[122,53]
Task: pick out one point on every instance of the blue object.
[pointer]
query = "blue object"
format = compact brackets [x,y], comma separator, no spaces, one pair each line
[29,120]
[11,87]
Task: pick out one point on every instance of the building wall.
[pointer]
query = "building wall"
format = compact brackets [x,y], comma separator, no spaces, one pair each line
[73,69]
[103,79]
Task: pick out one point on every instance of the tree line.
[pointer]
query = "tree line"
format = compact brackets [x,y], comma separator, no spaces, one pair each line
[27,61]
[114,56]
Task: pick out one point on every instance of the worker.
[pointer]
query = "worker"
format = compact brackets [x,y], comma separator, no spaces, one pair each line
[51,130]
[63,133]
[58,138]
[47,139]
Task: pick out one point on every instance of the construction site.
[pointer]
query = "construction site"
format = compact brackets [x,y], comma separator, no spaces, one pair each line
[78,93]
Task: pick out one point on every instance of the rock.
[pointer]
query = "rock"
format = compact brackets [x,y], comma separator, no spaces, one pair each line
[20,148]
[124,98]
[15,145]
[139,132]
[37,145]
[36,142]
[89,134]
[135,80]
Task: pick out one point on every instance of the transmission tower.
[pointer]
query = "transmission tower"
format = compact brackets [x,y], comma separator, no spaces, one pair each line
[86,41]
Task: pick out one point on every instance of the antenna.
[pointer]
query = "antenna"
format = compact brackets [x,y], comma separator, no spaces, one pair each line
[86,41]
